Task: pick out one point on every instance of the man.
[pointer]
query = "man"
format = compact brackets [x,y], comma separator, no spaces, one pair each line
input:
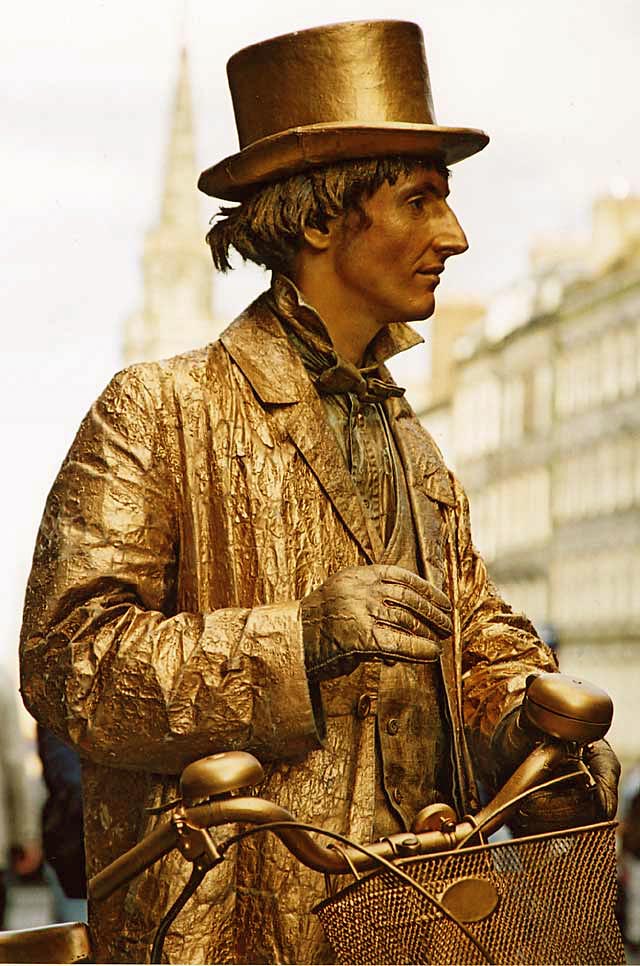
[257,546]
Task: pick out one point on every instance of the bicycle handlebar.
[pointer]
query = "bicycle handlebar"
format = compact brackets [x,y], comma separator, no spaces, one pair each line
[257,811]
[152,847]
[565,708]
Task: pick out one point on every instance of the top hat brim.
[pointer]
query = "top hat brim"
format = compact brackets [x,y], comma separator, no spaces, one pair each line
[289,152]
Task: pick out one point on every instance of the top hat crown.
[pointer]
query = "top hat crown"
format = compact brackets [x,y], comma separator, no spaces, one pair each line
[348,90]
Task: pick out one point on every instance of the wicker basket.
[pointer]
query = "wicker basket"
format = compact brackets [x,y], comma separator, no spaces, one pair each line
[555,904]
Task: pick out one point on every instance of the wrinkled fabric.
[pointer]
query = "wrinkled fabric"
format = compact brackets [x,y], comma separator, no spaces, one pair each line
[201,500]
[352,403]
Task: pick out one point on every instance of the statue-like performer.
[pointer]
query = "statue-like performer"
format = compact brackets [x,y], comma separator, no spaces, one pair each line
[257,546]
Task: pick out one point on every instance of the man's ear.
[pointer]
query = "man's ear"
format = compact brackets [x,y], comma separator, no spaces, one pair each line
[317,238]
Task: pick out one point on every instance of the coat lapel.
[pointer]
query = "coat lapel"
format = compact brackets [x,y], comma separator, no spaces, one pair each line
[425,472]
[428,480]
[309,429]
[260,348]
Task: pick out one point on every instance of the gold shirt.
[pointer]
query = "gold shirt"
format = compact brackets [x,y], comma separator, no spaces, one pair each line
[202,498]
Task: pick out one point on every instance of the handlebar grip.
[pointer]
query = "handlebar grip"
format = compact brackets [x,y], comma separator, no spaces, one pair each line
[152,847]
[534,769]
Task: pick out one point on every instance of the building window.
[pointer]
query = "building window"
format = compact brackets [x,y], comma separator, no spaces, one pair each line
[604,479]
[542,399]
[512,410]
[476,418]
[512,514]
[584,596]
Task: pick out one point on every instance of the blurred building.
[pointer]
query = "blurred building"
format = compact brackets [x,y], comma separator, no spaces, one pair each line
[453,319]
[177,270]
[542,405]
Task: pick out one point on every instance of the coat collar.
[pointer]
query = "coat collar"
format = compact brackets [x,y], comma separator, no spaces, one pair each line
[260,348]
[257,335]
[258,345]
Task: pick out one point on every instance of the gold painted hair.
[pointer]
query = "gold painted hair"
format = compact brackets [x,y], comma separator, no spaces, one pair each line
[268,227]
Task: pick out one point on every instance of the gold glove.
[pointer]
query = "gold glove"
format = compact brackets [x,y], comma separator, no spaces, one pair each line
[368,613]
[565,806]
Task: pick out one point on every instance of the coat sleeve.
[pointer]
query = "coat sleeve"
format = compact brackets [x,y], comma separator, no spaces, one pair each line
[499,647]
[107,660]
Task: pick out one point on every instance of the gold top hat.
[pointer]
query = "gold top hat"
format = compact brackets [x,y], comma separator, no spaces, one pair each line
[349,90]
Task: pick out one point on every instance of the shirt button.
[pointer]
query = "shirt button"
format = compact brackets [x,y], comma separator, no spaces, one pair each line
[397,796]
[363,707]
[393,726]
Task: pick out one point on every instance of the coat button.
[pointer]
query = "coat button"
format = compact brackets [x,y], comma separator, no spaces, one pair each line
[393,726]
[397,796]
[363,707]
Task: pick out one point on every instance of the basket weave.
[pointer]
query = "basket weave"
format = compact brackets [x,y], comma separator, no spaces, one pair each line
[556,896]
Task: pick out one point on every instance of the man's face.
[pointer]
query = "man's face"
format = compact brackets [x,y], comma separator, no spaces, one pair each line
[391,267]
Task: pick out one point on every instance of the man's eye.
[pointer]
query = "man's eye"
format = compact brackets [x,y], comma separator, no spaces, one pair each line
[417,203]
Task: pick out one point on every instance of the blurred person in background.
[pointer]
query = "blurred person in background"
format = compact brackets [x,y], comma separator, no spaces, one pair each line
[629,860]
[20,850]
[63,828]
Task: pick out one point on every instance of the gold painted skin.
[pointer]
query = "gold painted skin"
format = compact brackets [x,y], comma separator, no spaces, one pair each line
[202,498]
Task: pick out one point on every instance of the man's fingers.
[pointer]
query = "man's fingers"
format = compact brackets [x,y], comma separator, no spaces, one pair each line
[420,607]
[399,576]
[605,768]
[425,623]
[408,597]
[607,799]
[403,620]
[404,647]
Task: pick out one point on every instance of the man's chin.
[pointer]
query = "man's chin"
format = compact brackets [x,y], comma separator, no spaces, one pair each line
[423,311]
[419,311]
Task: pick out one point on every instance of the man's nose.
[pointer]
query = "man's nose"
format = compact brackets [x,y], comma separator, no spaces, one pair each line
[450,238]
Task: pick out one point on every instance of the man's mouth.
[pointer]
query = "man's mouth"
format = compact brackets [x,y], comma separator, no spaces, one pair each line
[431,273]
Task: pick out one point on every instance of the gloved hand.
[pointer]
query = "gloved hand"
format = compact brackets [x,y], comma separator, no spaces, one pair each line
[604,766]
[373,612]
[565,806]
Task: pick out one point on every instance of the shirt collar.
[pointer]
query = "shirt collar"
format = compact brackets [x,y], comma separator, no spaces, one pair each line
[290,305]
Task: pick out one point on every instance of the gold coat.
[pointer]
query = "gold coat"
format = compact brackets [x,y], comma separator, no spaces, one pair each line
[202,498]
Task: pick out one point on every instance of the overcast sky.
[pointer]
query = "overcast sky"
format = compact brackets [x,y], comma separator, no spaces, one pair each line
[86,89]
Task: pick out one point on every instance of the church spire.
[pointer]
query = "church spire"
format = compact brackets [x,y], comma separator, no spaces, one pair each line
[179,200]
[176,265]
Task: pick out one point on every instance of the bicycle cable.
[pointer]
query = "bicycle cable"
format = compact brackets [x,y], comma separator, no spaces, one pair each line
[517,798]
[385,863]
[197,875]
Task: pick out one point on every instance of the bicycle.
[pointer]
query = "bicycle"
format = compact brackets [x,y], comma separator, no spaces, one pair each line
[436,894]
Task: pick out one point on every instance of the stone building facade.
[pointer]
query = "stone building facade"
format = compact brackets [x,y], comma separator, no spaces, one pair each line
[544,417]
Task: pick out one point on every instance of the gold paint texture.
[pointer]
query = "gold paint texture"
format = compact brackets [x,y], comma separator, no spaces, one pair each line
[201,500]
[347,90]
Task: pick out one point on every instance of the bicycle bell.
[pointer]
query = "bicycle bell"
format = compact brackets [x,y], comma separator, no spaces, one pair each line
[568,708]
[217,774]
